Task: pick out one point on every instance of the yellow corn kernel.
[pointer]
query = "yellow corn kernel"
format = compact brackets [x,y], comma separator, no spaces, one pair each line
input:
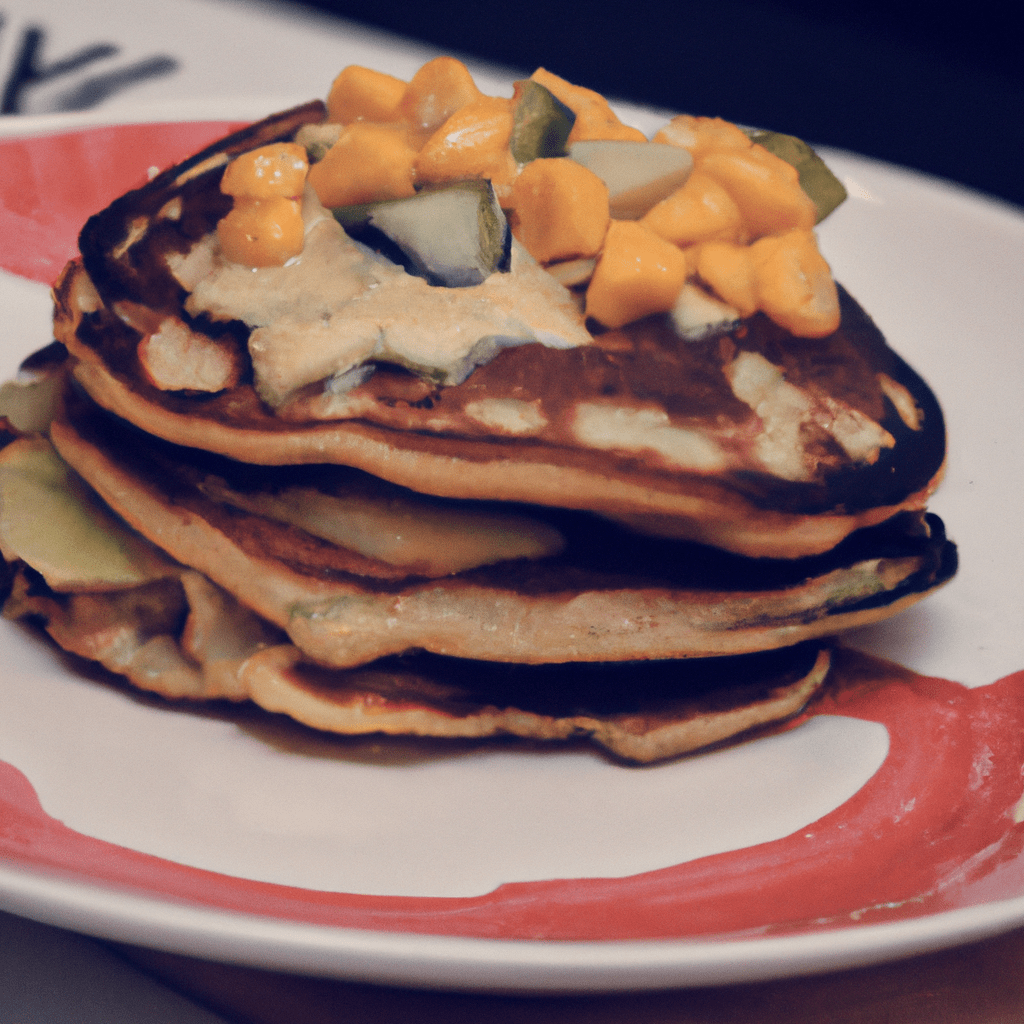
[794,284]
[367,163]
[698,211]
[262,232]
[638,273]
[472,143]
[598,121]
[274,171]
[702,135]
[561,210]
[595,119]
[360,94]
[764,187]
[727,269]
[440,88]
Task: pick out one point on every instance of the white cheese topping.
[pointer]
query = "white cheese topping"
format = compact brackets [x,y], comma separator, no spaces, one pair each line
[508,415]
[339,304]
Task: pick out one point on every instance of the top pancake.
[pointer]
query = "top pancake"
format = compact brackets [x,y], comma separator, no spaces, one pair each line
[752,440]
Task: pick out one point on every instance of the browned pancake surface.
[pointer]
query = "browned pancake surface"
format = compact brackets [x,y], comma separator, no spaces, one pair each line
[609,595]
[420,437]
[187,639]
[770,487]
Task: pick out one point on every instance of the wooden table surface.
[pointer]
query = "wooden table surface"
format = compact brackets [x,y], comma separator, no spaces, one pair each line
[981,983]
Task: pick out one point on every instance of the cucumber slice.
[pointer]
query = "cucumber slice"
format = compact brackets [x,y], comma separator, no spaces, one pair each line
[824,188]
[638,174]
[317,139]
[454,236]
[541,123]
[51,521]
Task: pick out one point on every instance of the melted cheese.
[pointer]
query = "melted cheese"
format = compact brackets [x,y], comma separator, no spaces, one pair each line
[339,305]
[508,415]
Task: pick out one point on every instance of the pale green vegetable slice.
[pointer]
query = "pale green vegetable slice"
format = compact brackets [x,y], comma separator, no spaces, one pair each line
[51,521]
[403,530]
[317,139]
[697,315]
[29,401]
[824,188]
[540,124]
[573,272]
[455,236]
[29,405]
[638,174]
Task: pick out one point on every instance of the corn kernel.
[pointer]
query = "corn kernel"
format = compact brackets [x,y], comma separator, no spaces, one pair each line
[595,119]
[360,94]
[440,88]
[794,284]
[703,135]
[699,211]
[262,232]
[765,188]
[275,171]
[561,209]
[727,269]
[367,163]
[472,143]
[638,273]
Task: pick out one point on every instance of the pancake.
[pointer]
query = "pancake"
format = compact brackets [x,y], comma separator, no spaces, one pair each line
[394,459]
[603,593]
[745,510]
[171,631]
[190,641]
[750,440]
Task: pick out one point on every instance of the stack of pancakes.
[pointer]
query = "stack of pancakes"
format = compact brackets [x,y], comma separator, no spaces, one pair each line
[640,540]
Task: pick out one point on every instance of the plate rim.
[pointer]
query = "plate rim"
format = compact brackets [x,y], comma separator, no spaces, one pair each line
[460,963]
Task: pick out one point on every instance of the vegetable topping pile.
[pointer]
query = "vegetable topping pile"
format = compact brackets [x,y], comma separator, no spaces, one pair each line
[708,222]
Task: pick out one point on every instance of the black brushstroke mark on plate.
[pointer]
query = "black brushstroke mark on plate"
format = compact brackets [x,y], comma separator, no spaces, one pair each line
[30,70]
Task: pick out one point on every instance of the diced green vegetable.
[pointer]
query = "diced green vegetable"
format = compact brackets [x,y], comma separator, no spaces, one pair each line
[638,174]
[541,123]
[317,139]
[455,236]
[50,520]
[824,188]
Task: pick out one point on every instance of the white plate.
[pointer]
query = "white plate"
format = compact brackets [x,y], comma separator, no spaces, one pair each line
[234,836]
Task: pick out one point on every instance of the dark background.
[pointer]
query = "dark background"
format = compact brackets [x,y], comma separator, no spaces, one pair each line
[933,87]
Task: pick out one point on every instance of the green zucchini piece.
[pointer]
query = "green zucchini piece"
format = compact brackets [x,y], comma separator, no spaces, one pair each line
[51,521]
[824,188]
[540,123]
[318,139]
[454,236]
[638,174]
